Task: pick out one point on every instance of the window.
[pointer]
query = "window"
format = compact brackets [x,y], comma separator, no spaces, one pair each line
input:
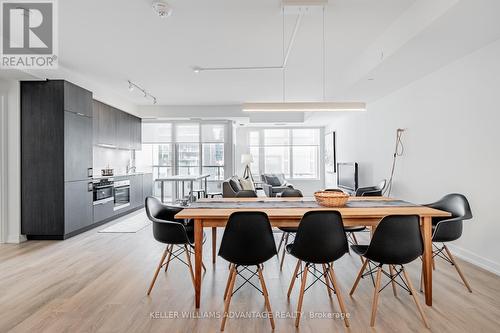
[185,148]
[294,152]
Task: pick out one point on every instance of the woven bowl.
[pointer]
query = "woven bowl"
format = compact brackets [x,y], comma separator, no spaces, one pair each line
[331,199]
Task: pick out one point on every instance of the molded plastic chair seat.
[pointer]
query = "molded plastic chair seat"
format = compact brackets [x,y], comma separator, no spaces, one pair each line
[449,229]
[397,240]
[247,241]
[320,240]
[288,229]
[355,228]
[359,249]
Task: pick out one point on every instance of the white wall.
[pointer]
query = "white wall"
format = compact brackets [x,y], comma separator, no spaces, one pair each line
[451,144]
[308,187]
[11,190]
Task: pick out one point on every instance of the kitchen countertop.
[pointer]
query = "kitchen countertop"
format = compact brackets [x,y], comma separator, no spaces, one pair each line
[119,175]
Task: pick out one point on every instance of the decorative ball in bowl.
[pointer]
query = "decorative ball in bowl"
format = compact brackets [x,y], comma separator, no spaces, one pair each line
[331,199]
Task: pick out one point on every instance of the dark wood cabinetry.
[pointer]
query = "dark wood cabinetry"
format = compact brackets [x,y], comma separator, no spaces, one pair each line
[115,128]
[56,159]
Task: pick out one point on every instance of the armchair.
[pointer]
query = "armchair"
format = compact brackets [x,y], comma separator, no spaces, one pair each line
[272,184]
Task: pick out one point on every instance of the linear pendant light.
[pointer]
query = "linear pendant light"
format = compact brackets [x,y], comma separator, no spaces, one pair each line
[304,107]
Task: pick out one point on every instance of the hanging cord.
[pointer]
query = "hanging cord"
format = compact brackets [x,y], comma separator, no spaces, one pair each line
[283,52]
[398,152]
[324,57]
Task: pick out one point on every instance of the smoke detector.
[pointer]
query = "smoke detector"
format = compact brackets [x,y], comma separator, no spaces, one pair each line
[161,8]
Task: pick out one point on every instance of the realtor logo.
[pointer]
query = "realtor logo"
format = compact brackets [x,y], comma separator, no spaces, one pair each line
[29,34]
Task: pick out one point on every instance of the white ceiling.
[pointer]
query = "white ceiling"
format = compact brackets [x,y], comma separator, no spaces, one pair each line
[113,41]
[373,48]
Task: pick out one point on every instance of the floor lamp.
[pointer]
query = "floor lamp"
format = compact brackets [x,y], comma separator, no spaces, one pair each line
[247,159]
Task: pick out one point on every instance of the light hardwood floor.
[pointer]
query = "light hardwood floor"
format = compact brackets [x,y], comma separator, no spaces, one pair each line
[97,282]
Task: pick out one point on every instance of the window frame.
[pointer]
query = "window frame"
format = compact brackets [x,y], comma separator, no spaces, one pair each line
[262,147]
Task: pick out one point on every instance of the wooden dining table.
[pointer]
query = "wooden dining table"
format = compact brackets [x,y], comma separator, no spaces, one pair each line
[208,213]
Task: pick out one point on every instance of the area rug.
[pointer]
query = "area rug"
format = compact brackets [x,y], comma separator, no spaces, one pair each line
[129,224]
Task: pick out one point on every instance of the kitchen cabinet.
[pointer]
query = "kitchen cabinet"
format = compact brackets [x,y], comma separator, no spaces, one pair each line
[56,157]
[77,205]
[123,138]
[136,191]
[115,128]
[103,211]
[106,124]
[77,147]
[147,186]
[77,99]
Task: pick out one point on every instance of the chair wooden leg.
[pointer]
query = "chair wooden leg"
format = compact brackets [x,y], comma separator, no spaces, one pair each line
[157,270]
[284,250]
[391,270]
[339,295]
[188,256]
[457,268]
[360,273]
[281,242]
[228,281]
[325,276]
[301,295]
[375,296]
[266,296]
[232,279]
[414,295]
[169,255]
[294,277]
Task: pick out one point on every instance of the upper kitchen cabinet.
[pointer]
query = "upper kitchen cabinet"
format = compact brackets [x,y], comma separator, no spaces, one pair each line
[105,124]
[136,133]
[123,130]
[77,99]
[115,128]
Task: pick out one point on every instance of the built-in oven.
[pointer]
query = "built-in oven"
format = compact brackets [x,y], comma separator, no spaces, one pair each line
[121,194]
[103,190]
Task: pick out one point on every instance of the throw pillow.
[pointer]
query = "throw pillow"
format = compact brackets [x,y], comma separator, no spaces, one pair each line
[247,184]
[235,184]
[273,181]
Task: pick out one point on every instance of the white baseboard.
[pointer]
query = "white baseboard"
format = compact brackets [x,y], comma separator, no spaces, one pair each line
[475,259]
[16,239]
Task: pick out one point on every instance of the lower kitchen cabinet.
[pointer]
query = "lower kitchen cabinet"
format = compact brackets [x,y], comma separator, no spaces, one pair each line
[78,198]
[141,186]
[147,186]
[103,211]
[136,198]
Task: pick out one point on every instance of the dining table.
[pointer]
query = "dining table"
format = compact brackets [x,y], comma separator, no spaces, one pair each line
[287,212]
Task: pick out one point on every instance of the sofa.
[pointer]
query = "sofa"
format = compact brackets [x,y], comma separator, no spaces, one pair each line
[272,184]
[232,186]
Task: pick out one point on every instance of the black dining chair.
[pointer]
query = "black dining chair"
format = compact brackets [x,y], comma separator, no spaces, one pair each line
[320,240]
[287,231]
[173,232]
[350,230]
[372,191]
[396,241]
[446,229]
[247,241]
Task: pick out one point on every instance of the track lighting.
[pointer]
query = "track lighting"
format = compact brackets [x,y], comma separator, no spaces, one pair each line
[132,86]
